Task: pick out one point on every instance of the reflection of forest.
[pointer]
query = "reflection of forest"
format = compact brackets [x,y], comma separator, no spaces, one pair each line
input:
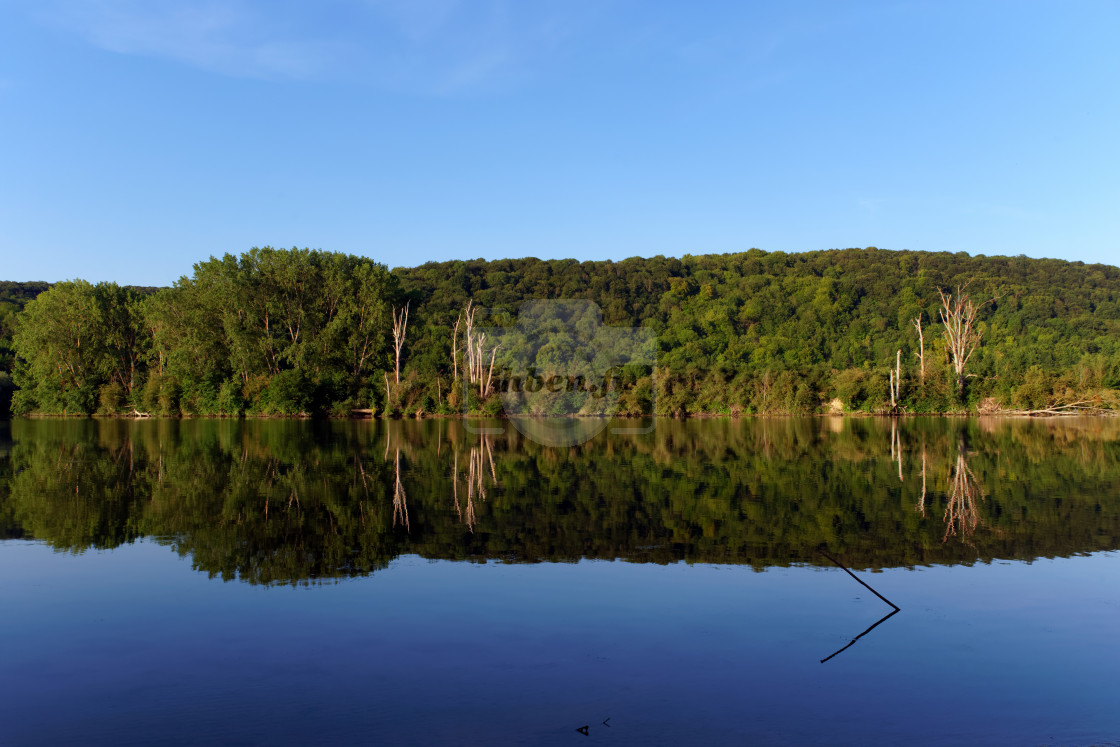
[282,501]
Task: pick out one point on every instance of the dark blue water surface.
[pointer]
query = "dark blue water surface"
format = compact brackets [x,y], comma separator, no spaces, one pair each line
[680,587]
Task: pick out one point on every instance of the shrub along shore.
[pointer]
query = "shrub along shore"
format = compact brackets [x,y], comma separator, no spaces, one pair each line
[309,333]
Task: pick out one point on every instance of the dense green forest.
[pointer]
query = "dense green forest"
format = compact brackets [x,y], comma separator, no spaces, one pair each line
[288,332]
[13,297]
[288,501]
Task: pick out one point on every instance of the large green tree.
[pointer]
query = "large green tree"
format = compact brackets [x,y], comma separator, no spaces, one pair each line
[73,340]
[284,331]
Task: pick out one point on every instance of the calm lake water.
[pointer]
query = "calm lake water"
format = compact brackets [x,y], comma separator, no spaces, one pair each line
[425,583]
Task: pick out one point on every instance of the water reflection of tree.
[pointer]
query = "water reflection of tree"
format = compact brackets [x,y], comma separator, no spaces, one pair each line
[478,458]
[896,446]
[920,507]
[962,515]
[393,440]
[400,500]
[277,501]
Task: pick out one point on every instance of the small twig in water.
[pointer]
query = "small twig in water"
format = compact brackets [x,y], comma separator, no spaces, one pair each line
[857,578]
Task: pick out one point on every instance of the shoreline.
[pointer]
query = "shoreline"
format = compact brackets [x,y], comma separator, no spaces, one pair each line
[1008,414]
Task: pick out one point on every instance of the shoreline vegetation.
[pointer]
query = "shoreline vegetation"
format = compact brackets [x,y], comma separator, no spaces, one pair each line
[1057,412]
[302,333]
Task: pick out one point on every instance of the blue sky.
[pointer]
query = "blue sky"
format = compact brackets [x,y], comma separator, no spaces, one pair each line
[138,137]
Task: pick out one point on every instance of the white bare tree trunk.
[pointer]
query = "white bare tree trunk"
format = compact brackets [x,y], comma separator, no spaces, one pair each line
[921,350]
[962,338]
[400,325]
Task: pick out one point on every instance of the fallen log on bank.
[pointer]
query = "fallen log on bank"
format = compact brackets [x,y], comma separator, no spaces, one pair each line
[1085,407]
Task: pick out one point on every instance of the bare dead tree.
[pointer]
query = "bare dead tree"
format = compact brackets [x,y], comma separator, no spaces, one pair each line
[474,352]
[487,389]
[400,324]
[455,349]
[895,380]
[921,349]
[479,359]
[962,338]
[469,345]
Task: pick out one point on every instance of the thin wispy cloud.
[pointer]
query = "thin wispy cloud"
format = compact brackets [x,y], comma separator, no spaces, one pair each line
[425,47]
[449,47]
[417,20]
[229,38]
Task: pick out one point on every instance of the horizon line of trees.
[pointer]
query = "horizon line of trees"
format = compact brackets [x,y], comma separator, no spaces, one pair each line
[302,332]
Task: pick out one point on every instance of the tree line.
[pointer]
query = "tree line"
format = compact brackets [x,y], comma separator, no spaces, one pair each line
[288,332]
[270,332]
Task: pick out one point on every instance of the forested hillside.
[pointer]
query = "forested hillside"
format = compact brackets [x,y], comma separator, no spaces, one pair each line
[299,331]
[777,332]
